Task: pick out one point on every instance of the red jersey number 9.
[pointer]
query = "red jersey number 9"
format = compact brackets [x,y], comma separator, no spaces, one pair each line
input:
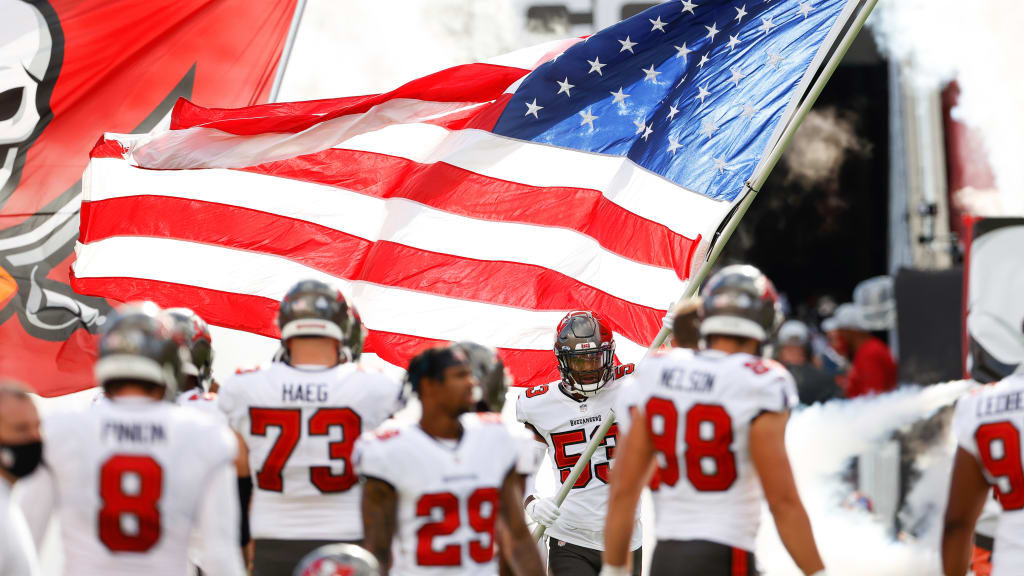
[1007,465]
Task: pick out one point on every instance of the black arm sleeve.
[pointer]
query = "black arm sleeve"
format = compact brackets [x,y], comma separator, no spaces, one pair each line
[244,497]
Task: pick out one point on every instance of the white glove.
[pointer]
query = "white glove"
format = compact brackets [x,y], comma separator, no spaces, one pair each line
[607,570]
[670,317]
[543,511]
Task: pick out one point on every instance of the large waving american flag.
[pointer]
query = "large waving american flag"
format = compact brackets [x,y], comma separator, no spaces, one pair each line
[478,203]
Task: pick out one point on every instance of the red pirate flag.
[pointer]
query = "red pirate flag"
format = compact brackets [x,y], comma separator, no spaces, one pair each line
[70,70]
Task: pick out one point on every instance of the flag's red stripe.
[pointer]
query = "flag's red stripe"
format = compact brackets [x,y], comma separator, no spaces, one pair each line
[468,83]
[257,314]
[528,367]
[352,258]
[467,193]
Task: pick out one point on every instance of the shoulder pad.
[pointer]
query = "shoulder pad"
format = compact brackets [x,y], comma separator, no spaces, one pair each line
[386,434]
[489,417]
[624,370]
[538,390]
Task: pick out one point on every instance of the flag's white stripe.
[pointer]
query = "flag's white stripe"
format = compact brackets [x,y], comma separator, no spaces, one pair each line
[398,220]
[381,307]
[201,147]
[620,180]
[382,131]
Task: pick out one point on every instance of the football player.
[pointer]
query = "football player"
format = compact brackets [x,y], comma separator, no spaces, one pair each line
[438,487]
[197,370]
[298,421]
[131,477]
[987,424]
[563,416]
[712,424]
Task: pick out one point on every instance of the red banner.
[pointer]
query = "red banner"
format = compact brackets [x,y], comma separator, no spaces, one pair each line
[70,70]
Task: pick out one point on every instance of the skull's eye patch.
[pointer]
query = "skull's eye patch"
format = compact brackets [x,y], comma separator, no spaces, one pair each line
[10,102]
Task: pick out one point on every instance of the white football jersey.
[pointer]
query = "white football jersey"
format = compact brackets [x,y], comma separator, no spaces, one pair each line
[567,425]
[130,479]
[203,401]
[300,426]
[448,493]
[699,408]
[988,423]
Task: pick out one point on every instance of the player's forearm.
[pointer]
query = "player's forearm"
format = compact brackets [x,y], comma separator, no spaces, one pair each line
[795,531]
[956,548]
[523,558]
[379,516]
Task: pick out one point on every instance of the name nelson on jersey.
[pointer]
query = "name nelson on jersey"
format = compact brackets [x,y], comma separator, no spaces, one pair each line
[687,381]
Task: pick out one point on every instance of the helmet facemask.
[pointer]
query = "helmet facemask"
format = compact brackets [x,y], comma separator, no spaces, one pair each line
[587,371]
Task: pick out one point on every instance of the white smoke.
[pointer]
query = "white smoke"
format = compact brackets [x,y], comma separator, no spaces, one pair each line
[819,147]
[820,441]
[978,43]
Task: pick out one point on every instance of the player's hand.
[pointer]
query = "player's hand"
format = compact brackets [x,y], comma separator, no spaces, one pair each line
[607,570]
[543,510]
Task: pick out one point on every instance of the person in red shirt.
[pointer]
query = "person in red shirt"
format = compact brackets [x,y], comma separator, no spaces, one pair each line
[872,369]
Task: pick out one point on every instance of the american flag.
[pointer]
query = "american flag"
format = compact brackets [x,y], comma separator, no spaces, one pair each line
[478,203]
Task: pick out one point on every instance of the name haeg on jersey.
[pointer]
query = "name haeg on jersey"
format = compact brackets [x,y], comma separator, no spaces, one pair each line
[300,427]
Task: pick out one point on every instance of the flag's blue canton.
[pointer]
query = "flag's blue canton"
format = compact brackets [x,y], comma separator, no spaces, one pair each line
[690,90]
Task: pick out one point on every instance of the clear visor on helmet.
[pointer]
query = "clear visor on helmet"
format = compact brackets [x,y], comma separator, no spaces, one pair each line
[587,367]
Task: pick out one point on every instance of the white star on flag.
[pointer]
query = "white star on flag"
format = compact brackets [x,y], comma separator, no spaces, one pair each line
[647,132]
[651,73]
[657,24]
[640,125]
[703,60]
[733,41]
[775,59]
[672,111]
[703,92]
[682,51]
[766,25]
[588,118]
[673,145]
[736,77]
[620,96]
[749,111]
[805,9]
[708,127]
[721,165]
[532,108]
[595,66]
[740,13]
[688,6]
[564,86]
[627,45]
[712,31]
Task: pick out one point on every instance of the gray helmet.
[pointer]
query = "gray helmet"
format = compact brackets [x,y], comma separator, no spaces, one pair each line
[489,371]
[139,344]
[585,350]
[338,560]
[312,308]
[740,301]
[196,335]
